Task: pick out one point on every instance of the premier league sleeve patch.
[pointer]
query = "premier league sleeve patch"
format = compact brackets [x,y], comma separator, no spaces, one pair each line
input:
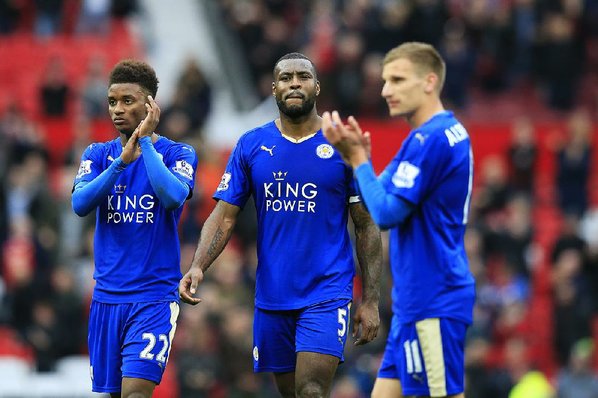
[84,168]
[405,175]
[183,168]
[224,182]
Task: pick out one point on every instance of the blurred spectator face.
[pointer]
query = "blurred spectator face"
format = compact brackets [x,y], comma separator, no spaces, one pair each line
[350,49]
[523,133]
[295,87]
[568,265]
[493,171]
[580,128]
[581,355]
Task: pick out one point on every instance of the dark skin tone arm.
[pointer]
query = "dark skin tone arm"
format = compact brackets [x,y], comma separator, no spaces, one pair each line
[366,320]
[215,234]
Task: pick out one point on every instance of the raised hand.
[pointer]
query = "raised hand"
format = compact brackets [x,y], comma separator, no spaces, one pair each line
[131,151]
[151,120]
[349,140]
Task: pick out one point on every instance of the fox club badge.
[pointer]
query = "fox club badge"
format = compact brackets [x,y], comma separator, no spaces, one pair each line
[325,151]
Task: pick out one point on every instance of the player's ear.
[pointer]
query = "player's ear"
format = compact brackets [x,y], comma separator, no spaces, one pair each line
[431,83]
[274,89]
[317,88]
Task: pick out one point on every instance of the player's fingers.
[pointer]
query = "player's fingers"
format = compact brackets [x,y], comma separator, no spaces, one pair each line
[189,299]
[353,123]
[356,325]
[367,335]
[336,120]
[329,129]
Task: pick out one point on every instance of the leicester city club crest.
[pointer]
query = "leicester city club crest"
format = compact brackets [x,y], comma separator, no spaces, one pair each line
[324,151]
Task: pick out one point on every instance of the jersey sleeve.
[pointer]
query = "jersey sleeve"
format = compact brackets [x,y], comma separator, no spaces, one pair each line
[418,168]
[91,164]
[234,187]
[184,165]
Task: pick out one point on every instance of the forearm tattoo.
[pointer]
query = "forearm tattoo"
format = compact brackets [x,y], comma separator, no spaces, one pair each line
[369,251]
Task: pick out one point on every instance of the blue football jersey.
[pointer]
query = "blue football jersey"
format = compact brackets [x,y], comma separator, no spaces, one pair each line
[137,253]
[433,170]
[302,192]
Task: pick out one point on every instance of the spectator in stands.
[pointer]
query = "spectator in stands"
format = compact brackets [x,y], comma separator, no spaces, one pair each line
[559,59]
[10,14]
[192,102]
[19,135]
[371,104]
[348,76]
[493,190]
[18,273]
[94,17]
[48,17]
[42,335]
[572,303]
[460,62]
[482,380]
[522,156]
[67,302]
[527,381]
[573,165]
[578,379]
[54,90]
[93,91]
[29,195]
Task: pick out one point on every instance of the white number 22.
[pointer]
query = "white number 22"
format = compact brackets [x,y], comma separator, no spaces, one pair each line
[146,353]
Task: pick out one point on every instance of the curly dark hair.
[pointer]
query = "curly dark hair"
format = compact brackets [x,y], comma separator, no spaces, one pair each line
[296,55]
[138,72]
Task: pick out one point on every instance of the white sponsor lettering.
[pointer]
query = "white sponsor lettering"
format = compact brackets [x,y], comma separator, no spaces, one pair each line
[137,217]
[121,209]
[300,206]
[289,197]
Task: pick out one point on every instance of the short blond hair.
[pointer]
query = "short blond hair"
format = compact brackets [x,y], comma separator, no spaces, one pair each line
[423,56]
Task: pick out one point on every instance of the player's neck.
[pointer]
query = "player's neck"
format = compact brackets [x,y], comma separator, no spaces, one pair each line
[425,113]
[299,128]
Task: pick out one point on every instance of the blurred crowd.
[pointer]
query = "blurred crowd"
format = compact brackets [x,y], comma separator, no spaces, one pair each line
[543,48]
[533,237]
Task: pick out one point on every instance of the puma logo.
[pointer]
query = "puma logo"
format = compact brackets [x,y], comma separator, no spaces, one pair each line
[420,137]
[269,150]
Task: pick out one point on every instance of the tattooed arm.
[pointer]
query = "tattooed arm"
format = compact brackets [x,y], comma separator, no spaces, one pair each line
[369,254]
[215,234]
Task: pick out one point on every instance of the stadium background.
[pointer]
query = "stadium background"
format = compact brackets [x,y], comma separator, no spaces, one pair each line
[522,75]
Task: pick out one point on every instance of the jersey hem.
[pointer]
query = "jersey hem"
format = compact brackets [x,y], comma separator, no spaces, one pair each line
[306,304]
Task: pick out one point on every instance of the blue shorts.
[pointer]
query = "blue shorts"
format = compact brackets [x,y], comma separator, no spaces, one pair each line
[427,356]
[279,335]
[129,340]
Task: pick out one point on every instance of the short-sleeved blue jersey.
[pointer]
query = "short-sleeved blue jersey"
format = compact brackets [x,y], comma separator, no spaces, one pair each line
[137,253]
[433,170]
[302,192]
